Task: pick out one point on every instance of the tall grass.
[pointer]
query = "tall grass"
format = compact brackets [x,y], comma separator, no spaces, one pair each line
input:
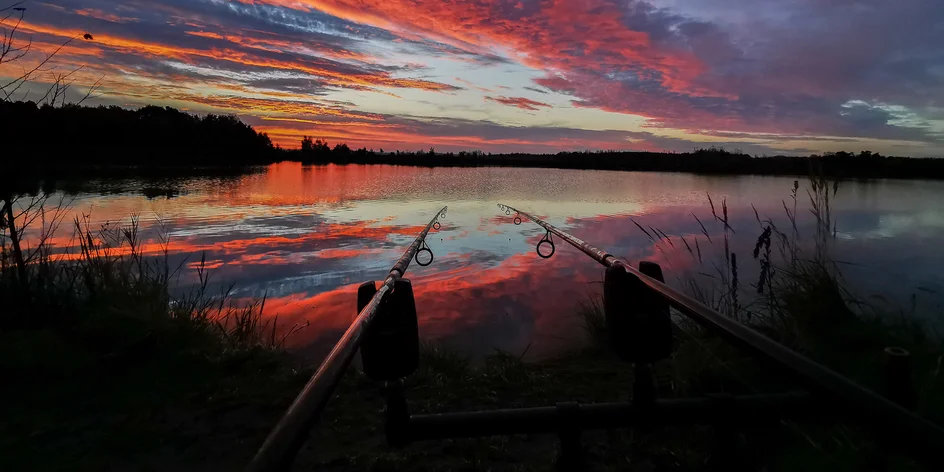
[592,316]
[110,350]
[799,298]
[111,286]
[792,271]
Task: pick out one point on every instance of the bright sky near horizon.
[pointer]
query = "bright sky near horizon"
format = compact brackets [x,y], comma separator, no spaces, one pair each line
[766,76]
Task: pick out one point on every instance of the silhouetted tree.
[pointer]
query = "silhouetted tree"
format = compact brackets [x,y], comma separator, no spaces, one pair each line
[307,144]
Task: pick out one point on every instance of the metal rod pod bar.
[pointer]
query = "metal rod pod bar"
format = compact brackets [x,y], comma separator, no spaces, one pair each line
[887,418]
[752,409]
[280,447]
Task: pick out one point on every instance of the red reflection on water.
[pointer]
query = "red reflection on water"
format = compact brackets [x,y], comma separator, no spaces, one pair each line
[522,301]
[501,296]
[235,251]
[459,300]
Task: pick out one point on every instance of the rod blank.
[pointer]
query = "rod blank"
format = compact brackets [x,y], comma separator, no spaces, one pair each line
[280,447]
[740,410]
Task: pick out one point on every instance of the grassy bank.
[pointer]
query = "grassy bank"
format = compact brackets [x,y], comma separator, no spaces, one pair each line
[104,368]
[214,416]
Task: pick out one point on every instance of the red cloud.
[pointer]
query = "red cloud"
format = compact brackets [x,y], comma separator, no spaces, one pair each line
[520,102]
[558,36]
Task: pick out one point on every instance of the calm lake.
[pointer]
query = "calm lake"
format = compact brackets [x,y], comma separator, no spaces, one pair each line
[306,236]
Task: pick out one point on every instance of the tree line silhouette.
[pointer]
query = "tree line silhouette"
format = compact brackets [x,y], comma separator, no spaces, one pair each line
[47,140]
[712,160]
[44,138]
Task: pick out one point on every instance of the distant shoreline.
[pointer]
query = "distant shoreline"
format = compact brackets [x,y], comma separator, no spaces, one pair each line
[163,180]
[705,162]
[851,167]
[155,142]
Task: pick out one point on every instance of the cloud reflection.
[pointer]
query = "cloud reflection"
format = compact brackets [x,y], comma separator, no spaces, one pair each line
[306,237]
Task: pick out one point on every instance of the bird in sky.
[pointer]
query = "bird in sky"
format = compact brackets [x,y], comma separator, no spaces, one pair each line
[88,37]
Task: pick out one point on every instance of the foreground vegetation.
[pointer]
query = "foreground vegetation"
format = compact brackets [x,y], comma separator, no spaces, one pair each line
[104,369]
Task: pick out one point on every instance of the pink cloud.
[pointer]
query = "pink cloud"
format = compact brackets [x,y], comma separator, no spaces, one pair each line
[520,102]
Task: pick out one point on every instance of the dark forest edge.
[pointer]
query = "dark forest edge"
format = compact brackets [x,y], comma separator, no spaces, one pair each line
[101,141]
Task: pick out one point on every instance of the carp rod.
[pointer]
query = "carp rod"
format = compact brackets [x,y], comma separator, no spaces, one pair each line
[903,426]
[282,445]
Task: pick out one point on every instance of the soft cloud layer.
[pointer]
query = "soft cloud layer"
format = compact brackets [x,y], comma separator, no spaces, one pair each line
[767,76]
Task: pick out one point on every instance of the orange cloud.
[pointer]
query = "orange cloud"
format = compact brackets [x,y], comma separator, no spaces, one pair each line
[101,15]
[471,85]
[264,105]
[520,102]
[281,45]
[369,123]
[311,66]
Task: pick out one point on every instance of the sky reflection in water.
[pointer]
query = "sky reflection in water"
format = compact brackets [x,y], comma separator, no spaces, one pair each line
[307,236]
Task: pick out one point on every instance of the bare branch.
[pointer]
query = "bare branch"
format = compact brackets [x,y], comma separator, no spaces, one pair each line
[8,39]
[50,225]
[26,76]
[56,94]
[11,7]
[94,88]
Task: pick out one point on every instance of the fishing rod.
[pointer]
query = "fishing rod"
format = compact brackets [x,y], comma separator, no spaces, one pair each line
[281,446]
[901,425]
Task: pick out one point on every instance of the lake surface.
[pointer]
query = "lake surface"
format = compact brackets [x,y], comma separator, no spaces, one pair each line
[306,236]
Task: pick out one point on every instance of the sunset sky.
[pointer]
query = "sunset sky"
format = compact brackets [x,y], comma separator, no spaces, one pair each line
[766,76]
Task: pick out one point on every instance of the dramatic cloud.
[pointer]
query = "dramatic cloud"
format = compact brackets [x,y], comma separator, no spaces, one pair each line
[767,75]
